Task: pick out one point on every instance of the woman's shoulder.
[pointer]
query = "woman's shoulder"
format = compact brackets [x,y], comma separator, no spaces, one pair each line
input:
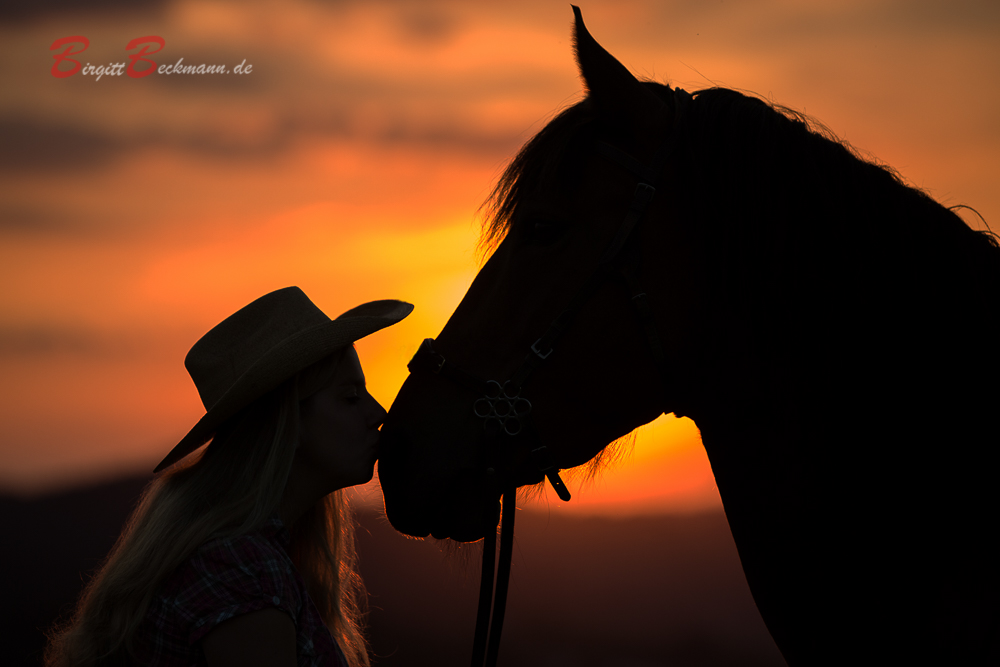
[258,553]
[232,575]
[225,577]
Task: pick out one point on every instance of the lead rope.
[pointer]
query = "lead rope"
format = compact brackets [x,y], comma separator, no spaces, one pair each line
[483,645]
[485,592]
[503,574]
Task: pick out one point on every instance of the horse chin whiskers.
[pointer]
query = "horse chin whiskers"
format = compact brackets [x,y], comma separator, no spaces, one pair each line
[461,557]
[531,492]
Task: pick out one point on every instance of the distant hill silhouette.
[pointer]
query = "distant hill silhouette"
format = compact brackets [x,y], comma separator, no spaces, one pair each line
[589,592]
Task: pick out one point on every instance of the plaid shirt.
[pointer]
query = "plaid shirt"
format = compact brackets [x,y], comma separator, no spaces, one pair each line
[224,578]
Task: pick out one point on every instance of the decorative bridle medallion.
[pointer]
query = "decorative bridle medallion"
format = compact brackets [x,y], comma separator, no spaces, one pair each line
[501,411]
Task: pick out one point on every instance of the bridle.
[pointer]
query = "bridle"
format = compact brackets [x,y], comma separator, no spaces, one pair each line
[505,412]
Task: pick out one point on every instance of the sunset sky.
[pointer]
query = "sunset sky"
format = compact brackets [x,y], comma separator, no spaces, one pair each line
[136,213]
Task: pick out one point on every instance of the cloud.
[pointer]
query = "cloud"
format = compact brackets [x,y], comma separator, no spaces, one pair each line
[37,146]
[34,10]
[38,218]
[427,25]
[46,341]
[413,76]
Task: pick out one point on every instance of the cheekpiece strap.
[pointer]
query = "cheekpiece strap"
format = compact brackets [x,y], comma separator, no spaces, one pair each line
[648,175]
[426,360]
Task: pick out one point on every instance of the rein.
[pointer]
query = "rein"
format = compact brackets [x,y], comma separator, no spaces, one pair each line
[505,412]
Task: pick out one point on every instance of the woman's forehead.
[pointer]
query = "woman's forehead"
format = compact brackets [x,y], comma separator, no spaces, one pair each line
[349,370]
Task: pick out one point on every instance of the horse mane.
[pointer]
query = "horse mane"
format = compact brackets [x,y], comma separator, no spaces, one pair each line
[800,221]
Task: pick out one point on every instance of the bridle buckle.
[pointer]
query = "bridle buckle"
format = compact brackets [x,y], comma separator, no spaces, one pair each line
[534,348]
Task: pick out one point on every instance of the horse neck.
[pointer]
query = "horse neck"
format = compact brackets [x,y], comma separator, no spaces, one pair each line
[826,346]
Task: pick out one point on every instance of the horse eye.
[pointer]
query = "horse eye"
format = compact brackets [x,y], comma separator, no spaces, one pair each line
[546,231]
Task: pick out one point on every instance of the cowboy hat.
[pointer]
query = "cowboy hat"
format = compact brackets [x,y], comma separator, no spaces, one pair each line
[263,344]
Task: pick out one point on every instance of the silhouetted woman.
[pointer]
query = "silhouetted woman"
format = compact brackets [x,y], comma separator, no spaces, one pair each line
[244,553]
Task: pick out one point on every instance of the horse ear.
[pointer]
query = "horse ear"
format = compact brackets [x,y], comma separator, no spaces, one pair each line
[609,84]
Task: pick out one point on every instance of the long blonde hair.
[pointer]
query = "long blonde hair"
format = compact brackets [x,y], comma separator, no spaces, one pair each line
[231,488]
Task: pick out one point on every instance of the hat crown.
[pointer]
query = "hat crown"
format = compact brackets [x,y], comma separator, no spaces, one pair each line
[224,354]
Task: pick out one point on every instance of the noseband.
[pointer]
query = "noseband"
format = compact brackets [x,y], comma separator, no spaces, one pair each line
[505,412]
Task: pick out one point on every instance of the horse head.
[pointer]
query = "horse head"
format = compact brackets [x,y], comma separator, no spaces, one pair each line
[548,284]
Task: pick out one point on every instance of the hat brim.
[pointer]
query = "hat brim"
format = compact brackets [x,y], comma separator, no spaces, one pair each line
[283,361]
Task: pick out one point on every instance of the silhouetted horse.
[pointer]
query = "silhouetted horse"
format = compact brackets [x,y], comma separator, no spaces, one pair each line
[825,326]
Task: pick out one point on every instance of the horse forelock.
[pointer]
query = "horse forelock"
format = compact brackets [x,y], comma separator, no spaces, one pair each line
[549,161]
[541,163]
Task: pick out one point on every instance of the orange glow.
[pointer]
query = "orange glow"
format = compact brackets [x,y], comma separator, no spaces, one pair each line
[137,213]
[667,470]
